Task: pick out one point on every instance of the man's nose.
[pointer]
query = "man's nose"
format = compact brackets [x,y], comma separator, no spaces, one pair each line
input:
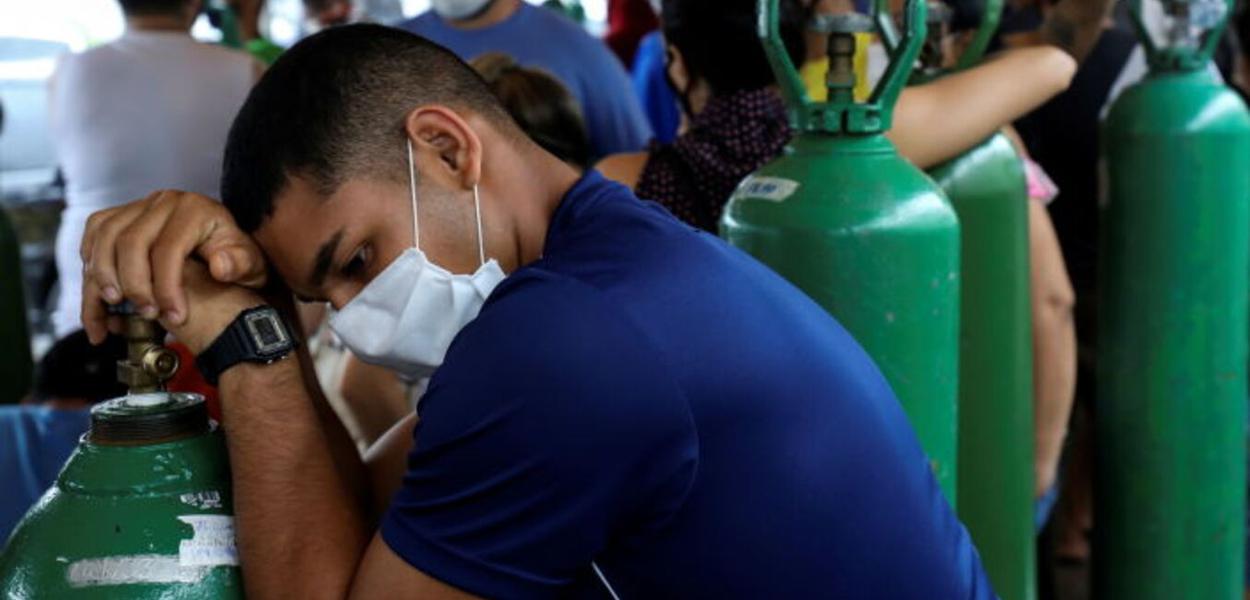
[341,295]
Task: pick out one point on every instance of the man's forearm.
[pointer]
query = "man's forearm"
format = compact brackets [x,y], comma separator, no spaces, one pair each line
[1075,25]
[301,524]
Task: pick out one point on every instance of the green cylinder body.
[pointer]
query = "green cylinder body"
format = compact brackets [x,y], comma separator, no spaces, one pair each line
[875,242]
[143,521]
[16,368]
[987,187]
[1171,414]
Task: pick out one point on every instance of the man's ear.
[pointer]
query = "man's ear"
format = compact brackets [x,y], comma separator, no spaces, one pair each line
[442,137]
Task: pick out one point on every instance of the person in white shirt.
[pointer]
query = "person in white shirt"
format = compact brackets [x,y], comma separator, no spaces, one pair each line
[148,111]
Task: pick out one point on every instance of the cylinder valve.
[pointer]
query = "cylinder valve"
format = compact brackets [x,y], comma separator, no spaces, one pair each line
[149,364]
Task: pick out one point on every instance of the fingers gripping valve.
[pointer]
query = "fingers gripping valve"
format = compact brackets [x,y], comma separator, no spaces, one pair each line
[149,364]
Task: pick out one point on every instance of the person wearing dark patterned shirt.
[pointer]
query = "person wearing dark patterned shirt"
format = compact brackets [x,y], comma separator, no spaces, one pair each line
[736,118]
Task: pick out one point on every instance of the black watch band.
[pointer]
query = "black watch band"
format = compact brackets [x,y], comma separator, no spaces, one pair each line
[257,335]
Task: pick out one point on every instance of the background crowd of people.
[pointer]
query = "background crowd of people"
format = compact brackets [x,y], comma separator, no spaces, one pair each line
[676,101]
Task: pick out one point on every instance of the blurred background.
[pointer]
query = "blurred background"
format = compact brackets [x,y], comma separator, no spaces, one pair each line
[32,35]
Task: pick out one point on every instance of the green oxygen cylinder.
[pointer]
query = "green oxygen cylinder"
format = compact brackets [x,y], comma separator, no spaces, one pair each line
[987,187]
[142,509]
[16,367]
[859,229]
[1170,485]
[569,8]
[222,17]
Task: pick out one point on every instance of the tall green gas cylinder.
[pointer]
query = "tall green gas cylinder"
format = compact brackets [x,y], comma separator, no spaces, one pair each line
[1171,414]
[16,367]
[987,187]
[862,231]
[142,509]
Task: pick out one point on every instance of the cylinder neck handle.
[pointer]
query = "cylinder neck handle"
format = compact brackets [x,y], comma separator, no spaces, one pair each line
[842,114]
[1193,33]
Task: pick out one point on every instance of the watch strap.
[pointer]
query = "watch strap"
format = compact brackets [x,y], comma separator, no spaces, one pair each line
[235,345]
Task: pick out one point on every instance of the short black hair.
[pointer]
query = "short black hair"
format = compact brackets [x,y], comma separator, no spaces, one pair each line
[152,7]
[719,42]
[333,107]
[75,369]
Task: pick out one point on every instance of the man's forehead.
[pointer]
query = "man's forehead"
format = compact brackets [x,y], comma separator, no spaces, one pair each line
[294,228]
[309,224]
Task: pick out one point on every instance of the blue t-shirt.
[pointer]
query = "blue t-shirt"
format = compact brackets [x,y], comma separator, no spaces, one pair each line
[648,398]
[538,37]
[651,85]
[35,441]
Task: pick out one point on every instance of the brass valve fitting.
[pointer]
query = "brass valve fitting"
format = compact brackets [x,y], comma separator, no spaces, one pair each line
[149,364]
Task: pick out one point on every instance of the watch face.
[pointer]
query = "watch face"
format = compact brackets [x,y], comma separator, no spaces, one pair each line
[267,332]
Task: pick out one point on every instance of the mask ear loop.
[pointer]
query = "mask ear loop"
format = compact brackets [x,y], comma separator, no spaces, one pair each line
[412,188]
[481,246]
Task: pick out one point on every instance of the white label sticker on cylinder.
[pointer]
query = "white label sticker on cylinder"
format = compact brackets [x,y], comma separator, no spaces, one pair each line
[212,544]
[776,189]
[129,570]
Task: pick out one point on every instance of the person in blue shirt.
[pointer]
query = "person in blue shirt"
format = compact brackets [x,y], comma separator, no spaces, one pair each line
[36,438]
[620,405]
[650,79]
[538,37]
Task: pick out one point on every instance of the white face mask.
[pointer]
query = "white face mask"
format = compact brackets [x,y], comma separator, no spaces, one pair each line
[406,317]
[458,9]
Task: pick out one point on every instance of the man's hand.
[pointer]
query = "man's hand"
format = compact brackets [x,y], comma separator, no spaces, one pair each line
[211,307]
[139,252]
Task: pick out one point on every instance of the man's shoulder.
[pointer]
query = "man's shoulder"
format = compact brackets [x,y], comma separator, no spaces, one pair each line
[421,24]
[551,21]
[545,301]
[553,340]
[87,61]
[222,54]
[544,325]
[564,38]
[200,54]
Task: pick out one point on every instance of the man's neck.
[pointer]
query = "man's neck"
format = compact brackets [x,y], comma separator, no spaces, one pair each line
[175,23]
[536,182]
[497,13]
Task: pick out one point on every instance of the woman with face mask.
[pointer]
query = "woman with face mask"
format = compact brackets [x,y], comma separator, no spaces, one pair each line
[737,121]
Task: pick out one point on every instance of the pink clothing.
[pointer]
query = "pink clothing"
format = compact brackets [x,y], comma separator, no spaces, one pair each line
[1041,187]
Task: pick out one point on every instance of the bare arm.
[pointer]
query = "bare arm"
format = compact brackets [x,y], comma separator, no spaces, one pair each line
[300,493]
[342,447]
[375,397]
[387,459]
[937,121]
[301,529]
[1054,347]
